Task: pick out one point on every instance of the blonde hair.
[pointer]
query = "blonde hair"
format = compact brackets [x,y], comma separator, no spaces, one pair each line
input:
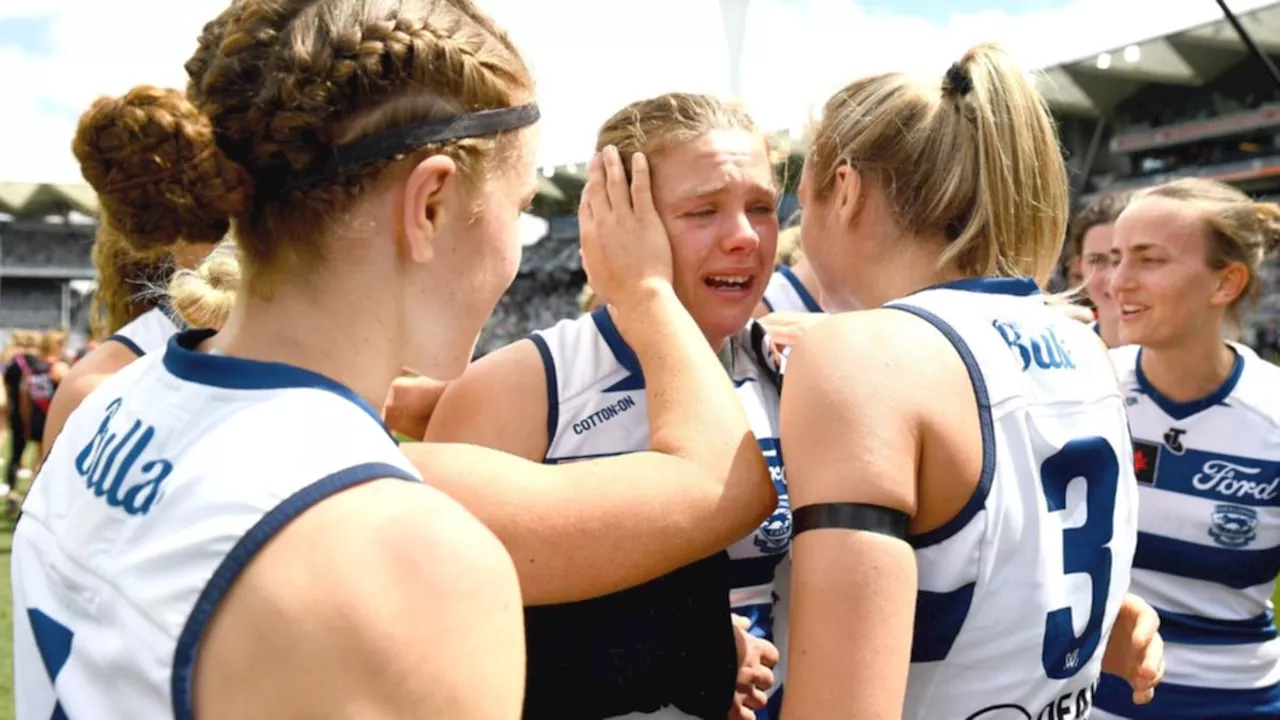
[273,89]
[975,159]
[1240,230]
[789,251]
[21,341]
[53,343]
[655,124]
[203,296]
[586,298]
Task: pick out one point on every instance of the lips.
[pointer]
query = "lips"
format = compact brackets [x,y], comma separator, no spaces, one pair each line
[729,281]
[1131,311]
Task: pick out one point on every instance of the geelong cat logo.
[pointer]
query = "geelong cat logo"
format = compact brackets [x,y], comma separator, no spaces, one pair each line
[1234,526]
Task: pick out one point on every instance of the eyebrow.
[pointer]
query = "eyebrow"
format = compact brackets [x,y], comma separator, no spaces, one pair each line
[715,188]
[1140,247]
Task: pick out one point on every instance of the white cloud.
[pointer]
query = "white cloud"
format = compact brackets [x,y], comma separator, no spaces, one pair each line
[590,56]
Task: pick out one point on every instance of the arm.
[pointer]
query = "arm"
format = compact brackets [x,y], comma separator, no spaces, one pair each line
[402,618]
[500,402]
[24,410]
[105,360]
[851,434]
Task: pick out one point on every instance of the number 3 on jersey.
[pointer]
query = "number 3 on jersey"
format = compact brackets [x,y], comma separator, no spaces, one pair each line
[1084,549]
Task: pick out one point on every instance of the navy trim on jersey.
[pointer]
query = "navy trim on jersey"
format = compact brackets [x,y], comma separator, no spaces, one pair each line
[979,497]
[810,303]
[939,619]
[233,373]
[1021,287]
[131,345]
[1184,410]
[625,356]
[768,305]
[1196,630]
[553,388]
[242,554]
[1233,568]
[1185,702]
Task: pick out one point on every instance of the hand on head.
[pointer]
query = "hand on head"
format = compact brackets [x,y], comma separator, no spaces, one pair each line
[625,249]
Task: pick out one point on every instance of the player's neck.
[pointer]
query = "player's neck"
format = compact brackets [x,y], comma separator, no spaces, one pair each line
[1188,372]
[316,325]
[914,267]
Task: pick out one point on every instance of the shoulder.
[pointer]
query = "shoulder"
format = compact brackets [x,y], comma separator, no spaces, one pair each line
[881,358]
[1259,385]
[384,534]
[407,551]
[502,401]
[514,373]
[420,547]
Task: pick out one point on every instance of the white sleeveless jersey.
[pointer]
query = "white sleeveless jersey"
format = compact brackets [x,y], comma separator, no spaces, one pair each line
[1018,593]
[1209,547]
[150,331]
[785,293]
[165,483]
[597,407]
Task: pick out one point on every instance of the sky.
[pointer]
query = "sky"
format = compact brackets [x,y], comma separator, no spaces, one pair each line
[589,57]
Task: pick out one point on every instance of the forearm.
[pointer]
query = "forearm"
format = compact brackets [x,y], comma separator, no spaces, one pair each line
[694,412]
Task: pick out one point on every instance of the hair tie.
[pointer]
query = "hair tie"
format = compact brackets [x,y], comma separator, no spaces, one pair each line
[958,81]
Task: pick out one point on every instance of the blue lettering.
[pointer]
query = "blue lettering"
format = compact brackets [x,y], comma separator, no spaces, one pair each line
[1013,339]
[99,457]
[603,415]
[1046,351]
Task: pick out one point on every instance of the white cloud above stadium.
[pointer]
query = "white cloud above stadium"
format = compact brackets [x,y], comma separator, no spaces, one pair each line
[589,56]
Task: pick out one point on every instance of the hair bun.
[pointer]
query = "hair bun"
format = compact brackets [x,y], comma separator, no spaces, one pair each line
[159,175]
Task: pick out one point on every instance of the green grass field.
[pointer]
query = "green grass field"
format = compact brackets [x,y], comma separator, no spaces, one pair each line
[6,603]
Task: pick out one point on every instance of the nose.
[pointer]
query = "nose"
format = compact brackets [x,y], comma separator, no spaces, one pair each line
[740,236]
[1121,278]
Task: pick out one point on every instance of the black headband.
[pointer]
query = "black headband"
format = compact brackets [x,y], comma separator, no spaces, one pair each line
[402,139]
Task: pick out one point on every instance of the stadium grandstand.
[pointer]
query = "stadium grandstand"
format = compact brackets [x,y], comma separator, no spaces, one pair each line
[46,276]
[1191,102]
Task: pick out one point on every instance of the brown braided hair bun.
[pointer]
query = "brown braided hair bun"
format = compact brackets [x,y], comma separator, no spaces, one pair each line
[151,157]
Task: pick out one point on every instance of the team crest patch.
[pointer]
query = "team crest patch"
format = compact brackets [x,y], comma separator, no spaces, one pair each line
[774,535]
[1234,526]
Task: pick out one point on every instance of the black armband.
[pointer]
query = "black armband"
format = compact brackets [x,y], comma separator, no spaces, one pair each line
[850,516]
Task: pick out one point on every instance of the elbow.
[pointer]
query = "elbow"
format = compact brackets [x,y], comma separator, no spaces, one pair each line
[751,496]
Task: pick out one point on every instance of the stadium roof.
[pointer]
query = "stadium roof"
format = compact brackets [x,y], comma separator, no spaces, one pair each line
[39,199]
[1094,85]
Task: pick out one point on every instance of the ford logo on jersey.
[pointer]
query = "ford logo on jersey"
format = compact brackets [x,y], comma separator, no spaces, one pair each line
[1234,526]
[1222,476]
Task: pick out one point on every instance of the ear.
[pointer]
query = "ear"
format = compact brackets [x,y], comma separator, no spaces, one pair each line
[426,205]
[1232,281]
[849,192]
